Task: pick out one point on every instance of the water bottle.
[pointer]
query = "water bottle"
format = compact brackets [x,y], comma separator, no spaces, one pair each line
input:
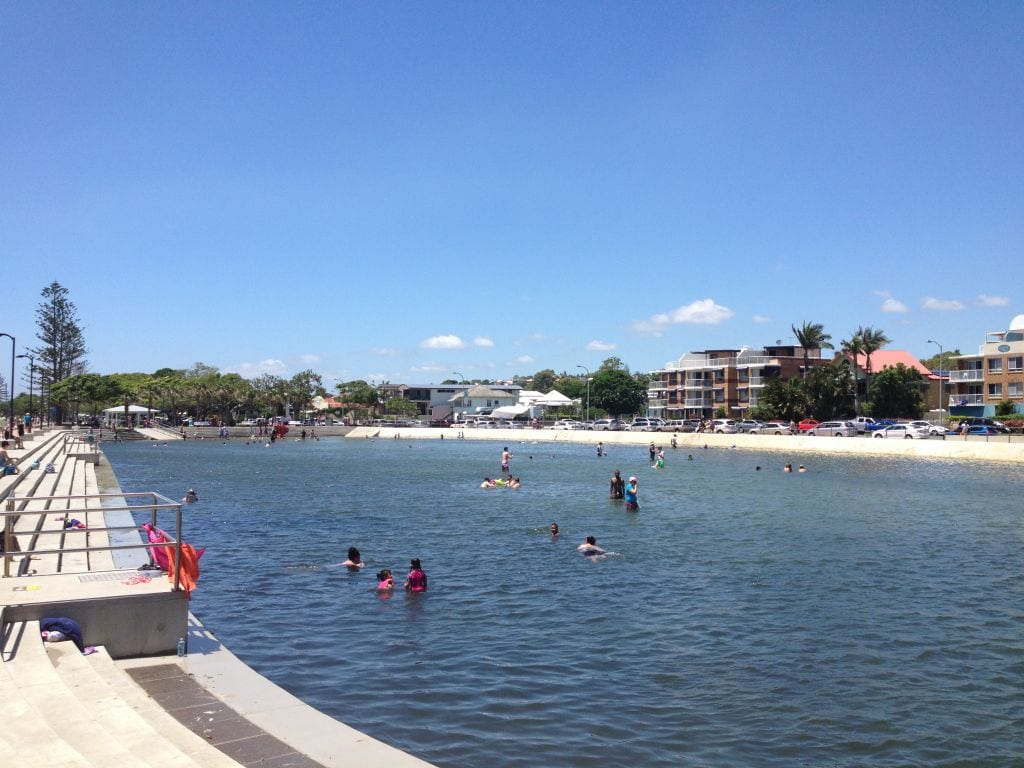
[181,646]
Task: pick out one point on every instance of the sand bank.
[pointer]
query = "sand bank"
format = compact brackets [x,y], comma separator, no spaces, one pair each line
[1005,448]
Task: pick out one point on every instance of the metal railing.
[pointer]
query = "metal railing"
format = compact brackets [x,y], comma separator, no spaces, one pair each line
[974,374]
[158,502]
[966,399]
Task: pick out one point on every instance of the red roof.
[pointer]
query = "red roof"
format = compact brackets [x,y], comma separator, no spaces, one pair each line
[888,358]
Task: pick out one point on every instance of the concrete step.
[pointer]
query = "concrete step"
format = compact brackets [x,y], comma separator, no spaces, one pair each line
[191,742]
[113,714]
[30,733]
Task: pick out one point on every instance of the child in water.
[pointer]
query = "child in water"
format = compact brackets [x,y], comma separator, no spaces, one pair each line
[416,581]
[384,580]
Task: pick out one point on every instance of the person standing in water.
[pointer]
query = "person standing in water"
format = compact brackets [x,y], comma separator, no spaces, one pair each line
[416,581]
[617,486]
[632,502]
[506,457]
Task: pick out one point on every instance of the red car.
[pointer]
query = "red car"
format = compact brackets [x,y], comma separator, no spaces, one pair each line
[806,424]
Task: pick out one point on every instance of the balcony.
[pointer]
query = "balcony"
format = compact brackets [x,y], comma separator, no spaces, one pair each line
[697,402]
[698,384]
[966,400]
[968,375]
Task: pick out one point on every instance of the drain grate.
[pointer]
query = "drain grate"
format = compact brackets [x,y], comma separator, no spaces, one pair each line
[87,578]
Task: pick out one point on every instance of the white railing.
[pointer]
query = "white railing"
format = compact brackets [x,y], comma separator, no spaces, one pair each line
[753,360]
[697,403]
[966,399]
[968,375]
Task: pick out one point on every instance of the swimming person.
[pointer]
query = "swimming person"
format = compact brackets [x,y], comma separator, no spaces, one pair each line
[788,468]
[191,497]
[355,561]
[618,486]
[589,547]
[554,530]
[600,449]
[416,581]
[385,581]
[632,503]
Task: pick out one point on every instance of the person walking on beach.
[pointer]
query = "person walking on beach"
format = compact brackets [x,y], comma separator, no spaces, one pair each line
[632,500]
[416,581]
[617,488]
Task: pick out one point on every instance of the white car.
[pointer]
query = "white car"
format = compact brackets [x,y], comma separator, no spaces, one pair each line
[724,427]
[906,431]
[645,424]
[836,428]
[774,428]
[932,428]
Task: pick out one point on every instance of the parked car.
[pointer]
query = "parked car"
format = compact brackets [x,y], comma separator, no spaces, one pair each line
[863,423]
[724,427]
[807,424]
[834,429]
[606,425]
[566,424]
[905,431]
[680,425]
[980,421]
[984,429]
[749,425]
[774,428]
[879,424]
[645,424]
[933,429]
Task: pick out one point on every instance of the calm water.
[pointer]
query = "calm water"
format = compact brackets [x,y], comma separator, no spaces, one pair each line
[869,612]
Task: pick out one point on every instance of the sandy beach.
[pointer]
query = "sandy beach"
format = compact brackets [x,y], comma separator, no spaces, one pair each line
[1005,448]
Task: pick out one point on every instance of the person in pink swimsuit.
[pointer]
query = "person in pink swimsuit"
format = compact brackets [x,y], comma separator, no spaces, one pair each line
[416,581]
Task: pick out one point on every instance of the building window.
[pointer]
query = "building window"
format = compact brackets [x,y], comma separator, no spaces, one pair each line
[1015,389]
[995,365]
[995,390]
[1015,363]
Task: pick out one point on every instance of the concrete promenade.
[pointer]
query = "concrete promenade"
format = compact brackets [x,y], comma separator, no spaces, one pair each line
[112,709]
[1005,448]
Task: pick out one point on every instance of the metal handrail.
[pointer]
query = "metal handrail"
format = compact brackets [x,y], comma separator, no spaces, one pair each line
[159,502]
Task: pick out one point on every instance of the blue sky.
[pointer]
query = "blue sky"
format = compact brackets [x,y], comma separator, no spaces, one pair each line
[398,191]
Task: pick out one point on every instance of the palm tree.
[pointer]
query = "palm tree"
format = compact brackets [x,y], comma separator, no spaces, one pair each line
[871,341]
[854,347]
[812,336]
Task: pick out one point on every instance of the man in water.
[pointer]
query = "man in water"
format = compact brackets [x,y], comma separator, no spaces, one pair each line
[589,547]
[506,457]
[632,502]
[618,486]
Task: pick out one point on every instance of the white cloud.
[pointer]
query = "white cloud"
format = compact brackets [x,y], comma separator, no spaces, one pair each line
[384,351]
[992,301]
[942,305]
[891,304]
[252,370]
[600,346]
[524,359]
[761,319]
[443,342]
[482,341]
[702,312]
[427,368]
[310,359]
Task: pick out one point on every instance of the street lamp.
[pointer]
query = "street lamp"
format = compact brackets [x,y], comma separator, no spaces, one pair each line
[588,388]
[461,377]
[11,384]
[31,373]
[942,382]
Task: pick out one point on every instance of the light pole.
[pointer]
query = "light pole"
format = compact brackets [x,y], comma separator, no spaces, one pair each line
[461,377]
[942,382]
[10,414]
[31,373]
[588,388]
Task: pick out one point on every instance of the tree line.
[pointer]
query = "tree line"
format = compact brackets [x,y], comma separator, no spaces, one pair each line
[825,391]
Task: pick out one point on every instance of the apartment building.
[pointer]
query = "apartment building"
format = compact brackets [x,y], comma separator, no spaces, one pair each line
[699,383]
[996,373]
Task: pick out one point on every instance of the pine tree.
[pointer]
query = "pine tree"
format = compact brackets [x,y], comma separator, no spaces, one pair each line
[62,350]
